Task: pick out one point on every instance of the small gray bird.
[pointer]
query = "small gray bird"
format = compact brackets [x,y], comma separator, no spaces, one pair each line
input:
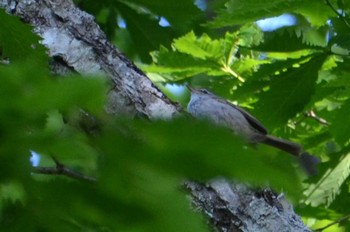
[204,104]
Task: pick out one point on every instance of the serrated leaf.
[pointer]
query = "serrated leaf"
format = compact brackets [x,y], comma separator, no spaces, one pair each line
[284,40]
[278,66]
[192,56]
[317,12]
[204,47]
[18,42]
[179,65]
[247,66]
[325,190]
[260,78]
[12,191]
[250,35]
[239,12]
[288,93]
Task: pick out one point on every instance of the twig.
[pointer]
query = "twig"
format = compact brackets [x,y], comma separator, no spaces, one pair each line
[341,16]
[61,169]
[227,69]
[333,223]
[311,114]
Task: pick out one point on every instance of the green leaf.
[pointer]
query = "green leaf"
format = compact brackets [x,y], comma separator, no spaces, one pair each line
[239,12]
[145,31]
[326,189]
[317,12]
[260,78]
[288,93]
[202,48]
[179,65]
[338,128]
[277,67]
[18,42]
[54,122]
[182,14]
[197,145]
[284,40]
[249,35]
[192,56]
[12,191]
[66,94]
[343,40]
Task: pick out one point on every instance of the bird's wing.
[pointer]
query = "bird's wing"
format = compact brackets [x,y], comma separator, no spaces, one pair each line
[256,124]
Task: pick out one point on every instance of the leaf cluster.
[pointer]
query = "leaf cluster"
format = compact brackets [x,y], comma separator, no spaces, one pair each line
[294,79]
[138,27]
[139,165]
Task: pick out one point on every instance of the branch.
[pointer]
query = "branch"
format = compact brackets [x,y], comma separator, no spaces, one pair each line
[72,36]
[235,207]
[61,169]
[311,114]
[341,16]
[345,218]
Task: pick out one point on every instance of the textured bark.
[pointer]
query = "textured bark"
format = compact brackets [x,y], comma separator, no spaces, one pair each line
[233,207]
[72,37]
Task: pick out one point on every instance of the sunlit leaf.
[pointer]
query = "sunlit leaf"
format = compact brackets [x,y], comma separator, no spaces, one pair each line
[288,93]
[325,190]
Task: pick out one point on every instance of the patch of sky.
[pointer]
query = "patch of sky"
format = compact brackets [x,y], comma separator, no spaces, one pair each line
[273,23]
[163,22]
[177,90]
[201,4]
[121,22]
[34,158]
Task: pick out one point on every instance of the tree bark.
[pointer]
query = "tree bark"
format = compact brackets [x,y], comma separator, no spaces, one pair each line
[233,207]
[72,36]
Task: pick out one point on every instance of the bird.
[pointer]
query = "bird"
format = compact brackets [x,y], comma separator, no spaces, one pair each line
[206,105]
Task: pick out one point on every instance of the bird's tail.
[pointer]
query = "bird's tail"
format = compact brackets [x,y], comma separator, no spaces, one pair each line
[284,145]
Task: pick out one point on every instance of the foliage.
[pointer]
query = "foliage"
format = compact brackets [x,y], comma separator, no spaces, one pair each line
[142,19]
[294,79]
